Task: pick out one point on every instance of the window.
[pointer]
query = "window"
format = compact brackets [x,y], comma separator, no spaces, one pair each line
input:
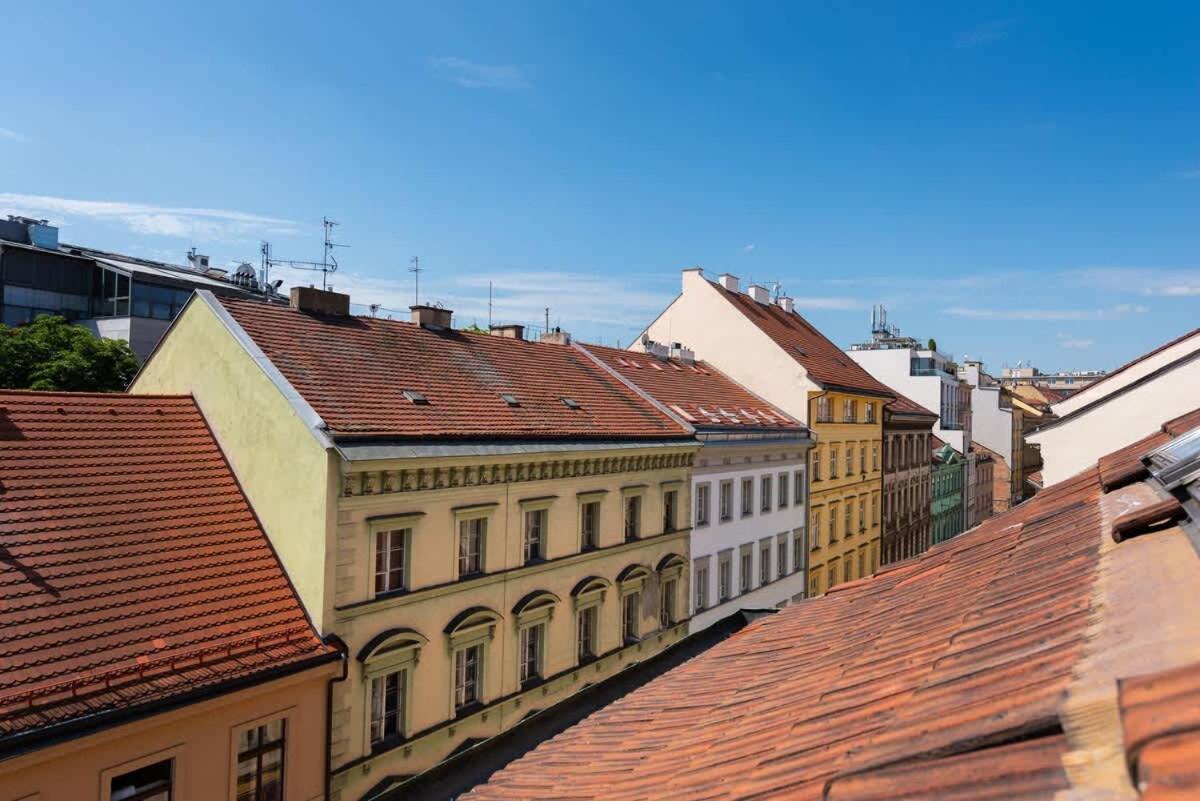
[849,460]
[833,523]
[586,633]
[390,547]
[724,578]
[783,490]
[532,645]
[816,465]
[702,504]
[633,517]
[701,581]
[781,548]
[746,573]
[798,537]
[862,516]
[471,535]
[849,412]
[666,608]
[874,455]
[670,497]
[848,528]
[862,458]
[862,561]
[726,501]
[589,525]
[816,529]
[833,462]
[824,410]
[535,535]
[765,494]
[870,412]
[631,612]
[260,762]
[150,783]
[468,672]
[814,586]
[798,491]
[832,577]
[387,705]
[847,569]
[747,497]
[764,563]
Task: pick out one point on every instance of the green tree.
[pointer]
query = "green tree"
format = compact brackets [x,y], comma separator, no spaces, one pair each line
[52,354]
[933,344]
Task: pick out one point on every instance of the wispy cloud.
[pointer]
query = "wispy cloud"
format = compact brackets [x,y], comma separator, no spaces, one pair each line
[186,223]
[13,136]
[470,75]
[748,249]
[1117,312]
[1146,281]
[831,304]
[992,31]
[903,279]
[1073,343]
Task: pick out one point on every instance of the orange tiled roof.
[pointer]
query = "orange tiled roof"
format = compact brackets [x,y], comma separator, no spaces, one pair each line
[906,405]
[133,570]
[941,676]
[696,391]
[354,370]
[823,360]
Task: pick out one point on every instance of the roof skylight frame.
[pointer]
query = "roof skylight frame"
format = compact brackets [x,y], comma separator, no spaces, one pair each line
[1177,462]
[570,403]
[415,397]
[509,398]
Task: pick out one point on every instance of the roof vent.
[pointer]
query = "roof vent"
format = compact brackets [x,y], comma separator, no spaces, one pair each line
[759,293]
[416,398]
[319,301]
[508,331]
[728,281]
[432,317]
[510,399]
[570,403]
[787,304]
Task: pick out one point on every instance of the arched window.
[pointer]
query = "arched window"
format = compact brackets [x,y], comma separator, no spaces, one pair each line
[587,597]
[469,634]
[532,615]
[388,662]
[631,584]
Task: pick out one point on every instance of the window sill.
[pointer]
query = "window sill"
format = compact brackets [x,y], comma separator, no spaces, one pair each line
[532,683]
[468,710]
[383,596]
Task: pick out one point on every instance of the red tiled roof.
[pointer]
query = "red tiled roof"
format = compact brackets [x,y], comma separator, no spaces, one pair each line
[938,442]
[697,392]
[133,569]
[823,360]
[906,405]
[1160,713]
[942,676]
[354,370]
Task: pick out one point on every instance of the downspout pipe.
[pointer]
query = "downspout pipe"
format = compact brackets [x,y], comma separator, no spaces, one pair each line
[337,642]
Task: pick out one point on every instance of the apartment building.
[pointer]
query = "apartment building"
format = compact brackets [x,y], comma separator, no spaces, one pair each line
[980,501]
[749,547]
[153,648]
[488,524]
[948,479]
[764,344]
[997,429]
[907,479]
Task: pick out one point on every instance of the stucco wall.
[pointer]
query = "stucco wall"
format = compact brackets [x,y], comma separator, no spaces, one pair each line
[281,466]
[202,740]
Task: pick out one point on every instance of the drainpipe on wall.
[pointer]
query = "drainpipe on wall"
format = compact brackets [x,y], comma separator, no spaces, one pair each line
[336,641]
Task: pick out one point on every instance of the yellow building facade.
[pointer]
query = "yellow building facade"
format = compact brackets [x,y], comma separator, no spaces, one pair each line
[845,488]
[472,583]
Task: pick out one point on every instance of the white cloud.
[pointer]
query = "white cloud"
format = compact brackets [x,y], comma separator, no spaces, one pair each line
[830,304]
[13,136]
[185,223]
[470,75]
[1115,313]
[1149,281]
[1073,342]
[748,248]
[992,31]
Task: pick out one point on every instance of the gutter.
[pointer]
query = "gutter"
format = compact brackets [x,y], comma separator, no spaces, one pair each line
[338,643]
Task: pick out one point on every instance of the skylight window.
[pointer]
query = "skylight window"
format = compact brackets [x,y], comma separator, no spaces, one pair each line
[416,398]
[510,399]
[571,403]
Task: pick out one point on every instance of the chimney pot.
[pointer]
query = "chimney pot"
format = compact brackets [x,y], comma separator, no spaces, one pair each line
[431,316]
[319,301]
[760,293]
[728,281]
[508,331]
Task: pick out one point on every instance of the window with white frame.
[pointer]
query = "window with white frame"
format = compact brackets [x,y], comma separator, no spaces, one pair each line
[631,617]
[725,503]
[703,503]
[870,412]
[824,409]
[532,649]
[849,459]
[816,465]
[701,584]
[848,410]
[154,782]
[587,633]
[798,491]
[666,606]
[534,541]
[815,528]
[833,462]
[783,490]
[633,517]
[849,509]
[746,573]
[391,551]
[833,510]
[747,496]
[764,563]
[764,493]
[874,455]
[389,694]
[781,555]
[862,516]
[670,499]
[468,676]
[724,576]
[799,536]
[862,458]
[472,533]
[589,525]
[260,762]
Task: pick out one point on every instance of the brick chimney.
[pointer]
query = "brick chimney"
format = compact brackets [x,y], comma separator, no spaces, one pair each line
[508,331]
[319,301]
[556,336]
[433,317]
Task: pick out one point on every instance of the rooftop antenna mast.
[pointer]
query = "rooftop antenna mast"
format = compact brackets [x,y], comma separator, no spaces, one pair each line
[489,305]
[416,269]
[328,263]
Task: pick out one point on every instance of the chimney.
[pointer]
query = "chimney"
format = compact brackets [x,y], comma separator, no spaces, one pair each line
[509,331]
[319,301]
[728,281]
[556,337]
[432,317]
[760,293]
[787,304]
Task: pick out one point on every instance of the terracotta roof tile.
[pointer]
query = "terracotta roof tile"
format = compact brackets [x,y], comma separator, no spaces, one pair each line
[354,370]
[906,405]
[823,360]
[1161,718]
[942,676]
[133,568]
[696,391]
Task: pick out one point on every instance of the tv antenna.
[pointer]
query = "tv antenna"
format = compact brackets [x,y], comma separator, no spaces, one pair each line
[328,263]
[416,269]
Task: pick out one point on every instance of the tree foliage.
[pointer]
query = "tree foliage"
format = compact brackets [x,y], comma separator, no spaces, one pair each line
[52,354]
[933,344]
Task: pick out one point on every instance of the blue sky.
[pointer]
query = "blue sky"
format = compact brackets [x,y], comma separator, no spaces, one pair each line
[1019,181]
